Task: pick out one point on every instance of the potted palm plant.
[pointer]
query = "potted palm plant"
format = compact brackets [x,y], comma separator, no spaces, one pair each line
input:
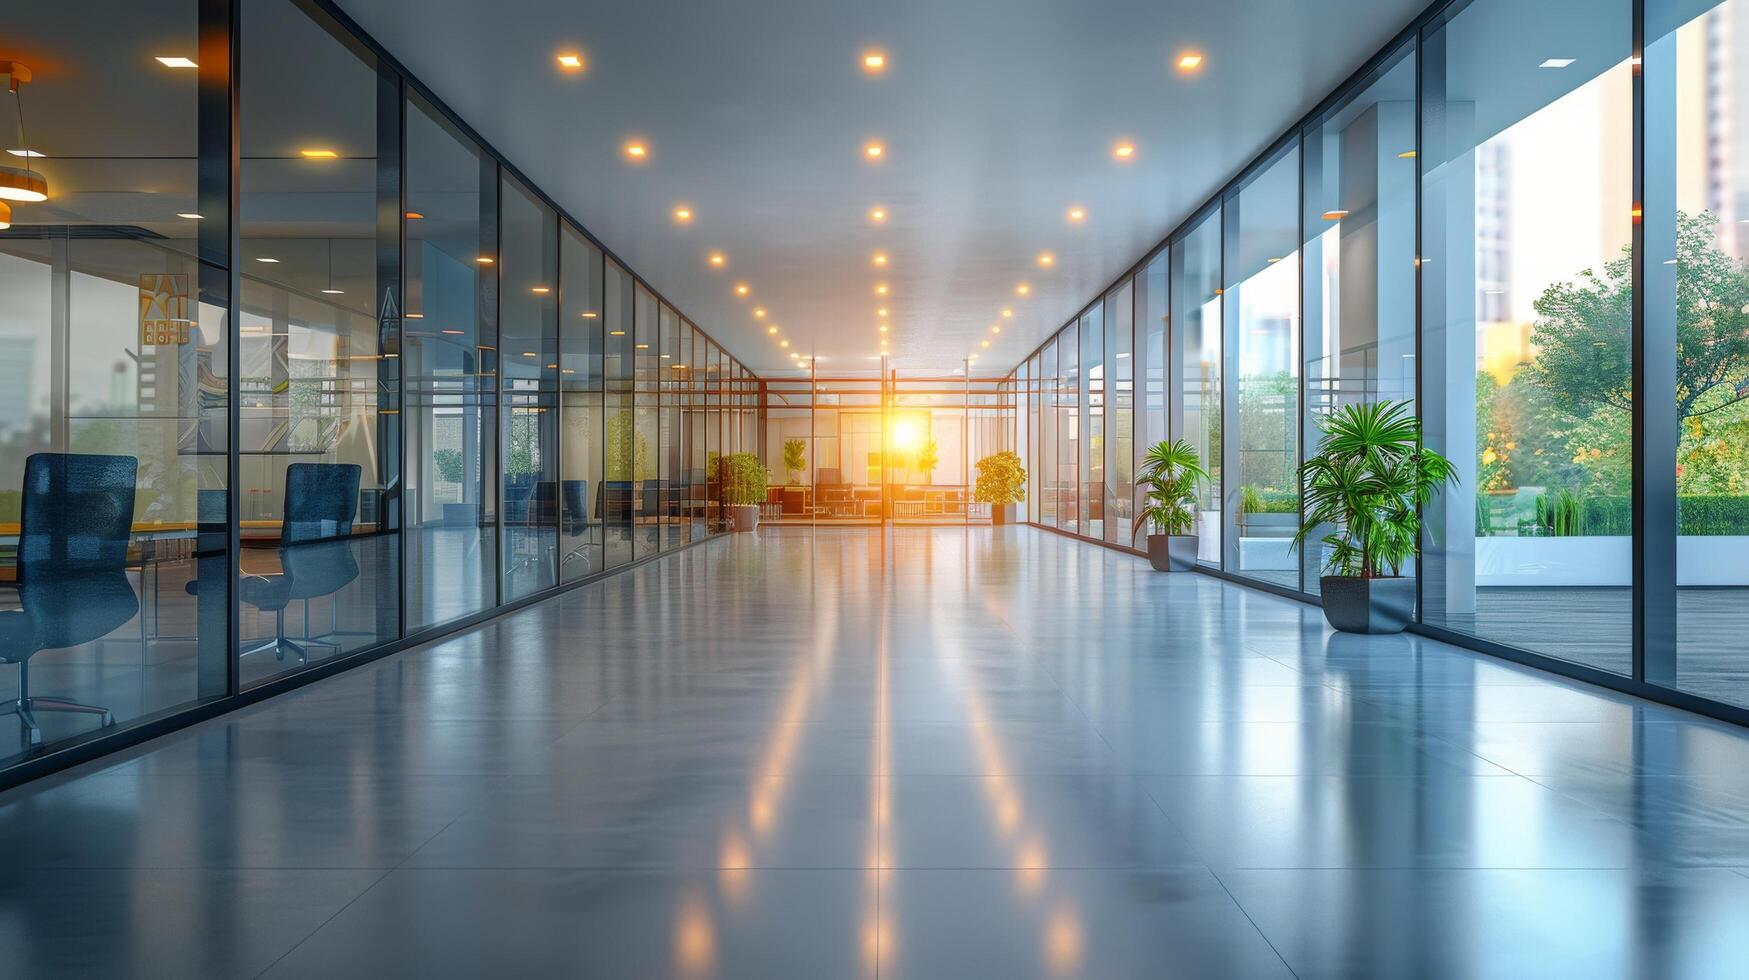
[1364,490]
[744,481]
[795,459]
[1171,473]
[1001,484]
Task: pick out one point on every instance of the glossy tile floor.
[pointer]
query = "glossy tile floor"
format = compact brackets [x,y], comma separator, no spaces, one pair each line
[938,753]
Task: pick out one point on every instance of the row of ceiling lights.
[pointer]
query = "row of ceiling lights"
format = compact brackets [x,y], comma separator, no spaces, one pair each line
[874,63]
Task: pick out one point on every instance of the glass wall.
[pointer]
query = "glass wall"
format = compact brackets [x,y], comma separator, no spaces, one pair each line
[528,308]
[1194,406]
[326,393]
[450,358]
[1120,448]
[581,418]
[1526,358]
[116,349]
[1260,301]
[1456,229]
[1357,243]
[1091,463]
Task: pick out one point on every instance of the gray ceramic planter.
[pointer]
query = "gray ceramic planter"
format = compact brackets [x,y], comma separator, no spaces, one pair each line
[744,517]
[1172,552]
[1367,605]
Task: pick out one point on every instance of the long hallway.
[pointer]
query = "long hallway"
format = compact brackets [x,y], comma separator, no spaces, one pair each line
[938,753]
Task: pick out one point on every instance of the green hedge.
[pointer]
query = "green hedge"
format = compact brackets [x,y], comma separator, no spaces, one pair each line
[1696,516]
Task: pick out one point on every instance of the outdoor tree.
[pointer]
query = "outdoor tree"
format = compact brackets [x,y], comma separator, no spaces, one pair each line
[1583,364]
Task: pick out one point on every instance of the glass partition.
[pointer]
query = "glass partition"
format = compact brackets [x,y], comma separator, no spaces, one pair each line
[450,358]
[617,490]
[528,307]
[1120,449]
[1092,444]
[114,346]
[1260,301]
[315,451]
[1526,363]
[1194,409]
[580,380]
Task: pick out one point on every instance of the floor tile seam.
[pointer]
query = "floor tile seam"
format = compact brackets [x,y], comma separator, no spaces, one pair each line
[325,922]
[1247,914]
[1588,805]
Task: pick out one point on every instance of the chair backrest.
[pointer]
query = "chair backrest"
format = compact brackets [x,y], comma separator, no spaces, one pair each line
[320,501]
[76,515]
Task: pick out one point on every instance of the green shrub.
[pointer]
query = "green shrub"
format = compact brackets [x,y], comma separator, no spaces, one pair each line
[1561,513]
[744,480]
[1613,516]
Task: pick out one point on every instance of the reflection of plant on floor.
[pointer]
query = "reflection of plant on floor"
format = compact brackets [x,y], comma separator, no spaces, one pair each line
[1001,479]
[744,480]
[1171,473]
[795,458]
[1368,482]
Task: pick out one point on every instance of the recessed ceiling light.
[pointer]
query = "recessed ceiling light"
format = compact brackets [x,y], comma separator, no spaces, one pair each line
[1335,214]
[884,327]
[414,216]
[665,355]
[1124,151]
[783,343]
[1406,155]
[1189,61]
[771,330]
[683,214]
[881,289]
[1007,312]
[263,258]
[1046,260]
[882,312]
[759,313]
[642,346]
[984,343]
[874,62]
[877,215]
[717,260]
[455,333]
[190,215]
[176,62]
[995,328]
[880,259]
[636,151]
[1077,215]
[571,62]
[1556,63]
[331,291]
[485,260]
[874,150]
[30,154]
[318,153]
[590,314]
[415,316]
[540,290]
[1023,290]
[742,289]
[616,333]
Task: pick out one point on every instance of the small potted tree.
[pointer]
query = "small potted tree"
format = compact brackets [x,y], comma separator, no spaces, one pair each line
[795,459]
[1002,485]
[1365,488]
[1171,472]
[744,481]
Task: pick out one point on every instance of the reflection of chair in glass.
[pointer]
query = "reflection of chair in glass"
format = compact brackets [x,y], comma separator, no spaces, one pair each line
[315,554]
[75,518]
[573,514]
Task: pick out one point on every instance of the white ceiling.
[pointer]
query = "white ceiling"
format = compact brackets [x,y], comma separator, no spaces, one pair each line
[997,116]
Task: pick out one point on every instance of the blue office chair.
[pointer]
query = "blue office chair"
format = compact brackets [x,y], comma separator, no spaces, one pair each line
[315,553]
[75,519]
